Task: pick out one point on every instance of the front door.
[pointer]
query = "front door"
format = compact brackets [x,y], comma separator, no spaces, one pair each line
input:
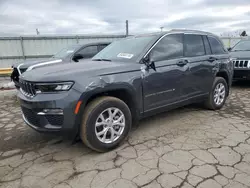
[162,86]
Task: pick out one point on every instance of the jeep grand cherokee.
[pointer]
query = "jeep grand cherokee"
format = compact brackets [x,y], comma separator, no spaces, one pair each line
[130,79]
[71,53]
[241,55]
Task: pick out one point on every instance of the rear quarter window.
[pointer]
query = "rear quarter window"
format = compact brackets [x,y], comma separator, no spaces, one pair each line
[216,46]
[207,45]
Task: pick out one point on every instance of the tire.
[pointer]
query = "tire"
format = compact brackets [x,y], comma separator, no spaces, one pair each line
[210,103]
[92,114]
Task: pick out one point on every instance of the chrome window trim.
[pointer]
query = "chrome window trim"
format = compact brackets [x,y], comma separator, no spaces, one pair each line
[202,34]
[160,40]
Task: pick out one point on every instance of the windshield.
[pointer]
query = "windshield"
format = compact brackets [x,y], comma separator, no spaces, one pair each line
[242,46]
[65,52]
[128,49]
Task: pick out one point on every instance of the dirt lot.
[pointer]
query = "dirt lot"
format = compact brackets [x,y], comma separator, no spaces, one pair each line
[187,147]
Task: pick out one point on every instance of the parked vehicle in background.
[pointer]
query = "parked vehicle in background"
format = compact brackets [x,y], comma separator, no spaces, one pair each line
[241,55]
[72,53]
[130,79]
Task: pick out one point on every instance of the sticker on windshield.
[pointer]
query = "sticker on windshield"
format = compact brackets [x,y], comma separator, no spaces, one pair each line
[70,51]
[125,55]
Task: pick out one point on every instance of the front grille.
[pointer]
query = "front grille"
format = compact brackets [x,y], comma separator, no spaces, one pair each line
[241,63]
[31,116]
[27,88]
[54,119]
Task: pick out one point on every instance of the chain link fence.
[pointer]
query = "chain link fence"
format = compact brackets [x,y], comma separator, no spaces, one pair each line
[231,41]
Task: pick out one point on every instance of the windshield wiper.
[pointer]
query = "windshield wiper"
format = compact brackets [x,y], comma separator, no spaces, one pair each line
[101,59]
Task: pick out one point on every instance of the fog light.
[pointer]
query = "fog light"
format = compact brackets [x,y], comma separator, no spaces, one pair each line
[52,111]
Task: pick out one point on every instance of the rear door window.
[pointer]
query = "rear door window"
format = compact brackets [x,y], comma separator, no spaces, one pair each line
[216,46]
[193,45]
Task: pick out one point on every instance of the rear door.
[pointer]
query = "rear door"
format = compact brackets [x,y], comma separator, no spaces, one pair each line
[162,87]
[197,52]
[219,56]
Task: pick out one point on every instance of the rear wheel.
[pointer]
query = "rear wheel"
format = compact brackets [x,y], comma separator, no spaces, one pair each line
[218,94]
[106,123]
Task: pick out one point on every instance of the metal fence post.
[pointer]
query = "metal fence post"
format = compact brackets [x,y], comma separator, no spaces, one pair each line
[77,39]
[22,48]
[126,28]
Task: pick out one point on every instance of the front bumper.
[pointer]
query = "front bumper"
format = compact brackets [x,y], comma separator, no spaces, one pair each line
[41,129]
[241,74]
[37,111]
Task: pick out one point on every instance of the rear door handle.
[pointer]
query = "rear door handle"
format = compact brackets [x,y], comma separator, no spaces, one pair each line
[181,63]
[212,59]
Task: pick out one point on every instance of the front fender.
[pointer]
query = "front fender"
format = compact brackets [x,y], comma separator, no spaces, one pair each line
[101,89]
[109,88]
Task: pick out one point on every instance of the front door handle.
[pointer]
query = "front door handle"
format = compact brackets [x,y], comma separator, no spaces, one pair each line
[181,63]
[212,59]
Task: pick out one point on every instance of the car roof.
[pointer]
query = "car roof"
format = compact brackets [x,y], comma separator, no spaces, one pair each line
[159,34]
[89,44]
[190,31]
[95,43]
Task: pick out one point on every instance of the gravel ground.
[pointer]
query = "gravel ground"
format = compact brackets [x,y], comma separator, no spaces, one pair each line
[6,84]
[188,147]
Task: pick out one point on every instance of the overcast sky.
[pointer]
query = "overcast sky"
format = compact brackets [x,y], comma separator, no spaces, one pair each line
[22,17]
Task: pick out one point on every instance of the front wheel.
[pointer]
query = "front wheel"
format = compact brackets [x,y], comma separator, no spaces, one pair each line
[218,94]
[106,123]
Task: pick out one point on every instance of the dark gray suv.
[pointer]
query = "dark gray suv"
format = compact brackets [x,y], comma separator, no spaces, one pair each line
[71,53]
[130,79]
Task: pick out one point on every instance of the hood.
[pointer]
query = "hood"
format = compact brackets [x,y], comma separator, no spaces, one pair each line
[72,71]
[240,55]
[27,63]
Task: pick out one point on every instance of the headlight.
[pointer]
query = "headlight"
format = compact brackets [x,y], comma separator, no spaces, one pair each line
[53,87]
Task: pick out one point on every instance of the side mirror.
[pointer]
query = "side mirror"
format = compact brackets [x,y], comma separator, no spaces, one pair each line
[77,57]
[149,62]
[229,49]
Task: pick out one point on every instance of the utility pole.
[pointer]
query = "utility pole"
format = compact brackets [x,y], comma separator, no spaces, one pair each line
[126,27]
[37,32]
